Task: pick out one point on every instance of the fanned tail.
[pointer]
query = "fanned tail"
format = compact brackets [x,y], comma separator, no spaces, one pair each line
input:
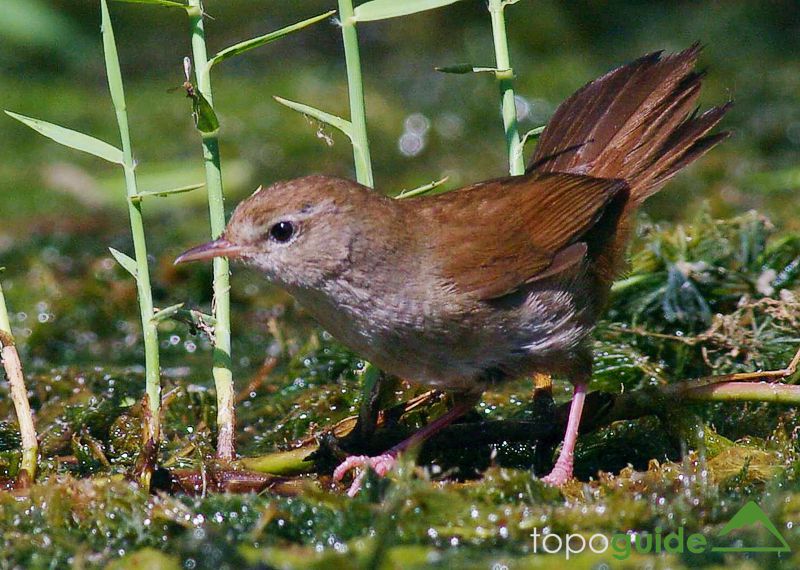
[637,123]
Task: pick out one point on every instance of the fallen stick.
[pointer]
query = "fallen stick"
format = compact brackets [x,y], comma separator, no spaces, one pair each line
[19,397]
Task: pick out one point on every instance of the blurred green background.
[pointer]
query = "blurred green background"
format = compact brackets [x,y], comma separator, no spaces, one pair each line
[52,68]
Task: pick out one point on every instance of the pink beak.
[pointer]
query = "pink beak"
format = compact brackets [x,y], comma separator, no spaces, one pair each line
[217,248]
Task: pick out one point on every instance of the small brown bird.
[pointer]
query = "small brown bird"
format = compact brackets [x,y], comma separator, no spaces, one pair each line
[498,280]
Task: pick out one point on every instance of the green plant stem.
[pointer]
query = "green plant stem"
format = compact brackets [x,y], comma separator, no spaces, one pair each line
[355,86]
[5,322]
[771,392]
[621,286]
[19,393]
[292,462]
[149,327]
[223,375]
[505,78]
[145,294]
[371,390]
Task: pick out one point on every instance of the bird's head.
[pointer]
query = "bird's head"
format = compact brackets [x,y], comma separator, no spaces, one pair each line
[298,232]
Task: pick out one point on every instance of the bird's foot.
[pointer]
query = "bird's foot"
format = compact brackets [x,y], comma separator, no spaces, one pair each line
[380,464]
[561,473]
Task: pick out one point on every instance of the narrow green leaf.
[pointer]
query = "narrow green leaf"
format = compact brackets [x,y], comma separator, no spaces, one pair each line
[112,60]
[337,122]
[165,3]
[384,9]
[253,43]
[195,319]
[165,193]
[462,68]
[205,119]
[72,139]
[422,189]
[200,319]
[459,68]
[125,261]
[166,313]
[532,134]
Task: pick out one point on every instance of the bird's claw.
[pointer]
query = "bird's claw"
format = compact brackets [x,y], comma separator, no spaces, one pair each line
[558,476]
[380,464]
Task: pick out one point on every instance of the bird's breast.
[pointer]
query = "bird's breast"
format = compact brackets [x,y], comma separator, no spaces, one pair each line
[458,342]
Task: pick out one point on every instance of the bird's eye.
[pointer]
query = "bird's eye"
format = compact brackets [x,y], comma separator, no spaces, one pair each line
[282,231]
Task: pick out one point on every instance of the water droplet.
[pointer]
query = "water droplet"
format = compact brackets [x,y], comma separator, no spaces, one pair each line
[417,124]
[411,144]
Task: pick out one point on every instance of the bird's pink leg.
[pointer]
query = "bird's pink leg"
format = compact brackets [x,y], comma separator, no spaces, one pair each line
[385,462]
[562,471]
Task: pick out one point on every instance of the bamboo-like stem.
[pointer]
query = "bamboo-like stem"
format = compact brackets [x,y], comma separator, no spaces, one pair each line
[19,393]
[223,375]
[505,78]
[355,86]
[514,143]
[145,295]
[363,163]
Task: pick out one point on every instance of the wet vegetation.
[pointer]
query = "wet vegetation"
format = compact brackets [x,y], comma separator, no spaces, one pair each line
[713,288]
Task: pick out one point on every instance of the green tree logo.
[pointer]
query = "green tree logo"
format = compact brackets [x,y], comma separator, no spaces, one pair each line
[751,515]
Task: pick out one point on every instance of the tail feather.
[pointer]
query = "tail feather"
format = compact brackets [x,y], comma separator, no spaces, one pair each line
[631,154]
[634,123]
[688,142]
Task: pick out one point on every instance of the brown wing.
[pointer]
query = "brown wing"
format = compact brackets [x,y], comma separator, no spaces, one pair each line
[493,237]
